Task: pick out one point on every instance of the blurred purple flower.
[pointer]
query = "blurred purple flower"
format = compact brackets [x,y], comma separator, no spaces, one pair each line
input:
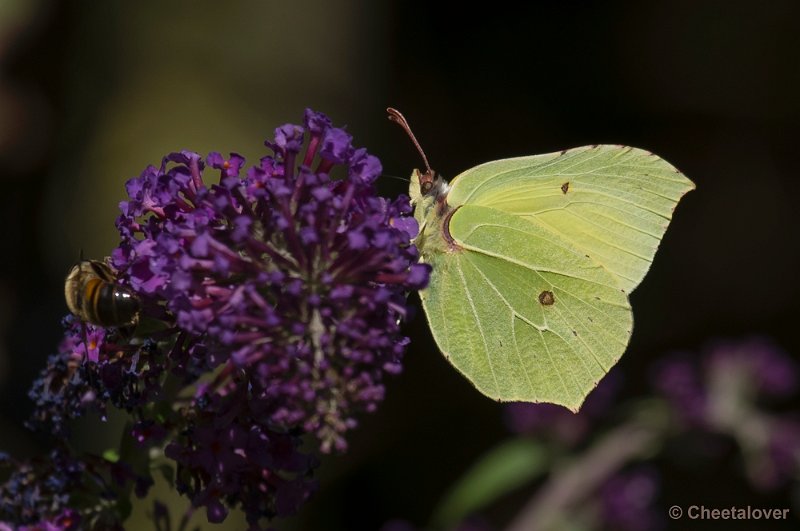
[722,391]
[628,501]
[781,460]
[771,371]
[763,370]
[784,445]
[677,377]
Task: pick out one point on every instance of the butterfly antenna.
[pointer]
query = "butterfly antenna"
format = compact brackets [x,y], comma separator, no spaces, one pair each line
[397,117]
[395,177]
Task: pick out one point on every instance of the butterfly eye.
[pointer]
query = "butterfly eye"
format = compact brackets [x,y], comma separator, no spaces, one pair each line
[426,181]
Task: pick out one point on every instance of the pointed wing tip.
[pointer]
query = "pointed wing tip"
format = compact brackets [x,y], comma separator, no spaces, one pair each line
[575,407]
[572,405]
[690,185]
[646,153]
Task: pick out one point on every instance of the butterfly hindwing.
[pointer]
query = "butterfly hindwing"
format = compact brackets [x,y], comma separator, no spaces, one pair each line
[521,312]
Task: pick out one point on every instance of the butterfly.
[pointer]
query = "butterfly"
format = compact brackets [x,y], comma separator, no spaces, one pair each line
[533,261]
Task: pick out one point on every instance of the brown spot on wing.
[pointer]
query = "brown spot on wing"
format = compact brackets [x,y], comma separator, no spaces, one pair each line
[546,298]
[565,187]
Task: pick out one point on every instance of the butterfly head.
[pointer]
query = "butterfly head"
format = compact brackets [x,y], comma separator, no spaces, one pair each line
[426,181]
[427,187]
[429,184]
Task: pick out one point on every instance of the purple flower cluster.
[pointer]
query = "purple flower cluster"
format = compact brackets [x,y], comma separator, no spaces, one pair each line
[272,304]
[231,455]
[43,493]
[294,279]
[94,368]
[27,497]
[67,520]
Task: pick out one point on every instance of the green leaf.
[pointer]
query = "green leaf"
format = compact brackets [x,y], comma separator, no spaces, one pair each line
[503,469]
[111,455]
[533,260]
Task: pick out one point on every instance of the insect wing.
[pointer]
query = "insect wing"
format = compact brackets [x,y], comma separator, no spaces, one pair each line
[521,312]
[614,203]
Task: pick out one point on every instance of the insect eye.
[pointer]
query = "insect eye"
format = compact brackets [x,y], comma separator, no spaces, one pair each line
[425,187]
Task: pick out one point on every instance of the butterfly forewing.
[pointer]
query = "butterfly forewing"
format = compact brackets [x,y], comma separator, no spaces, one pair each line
[613,203]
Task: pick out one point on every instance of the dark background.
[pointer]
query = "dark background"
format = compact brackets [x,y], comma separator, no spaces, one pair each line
[91,92]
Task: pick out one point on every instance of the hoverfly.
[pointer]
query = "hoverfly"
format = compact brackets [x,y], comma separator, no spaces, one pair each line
[94,296]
